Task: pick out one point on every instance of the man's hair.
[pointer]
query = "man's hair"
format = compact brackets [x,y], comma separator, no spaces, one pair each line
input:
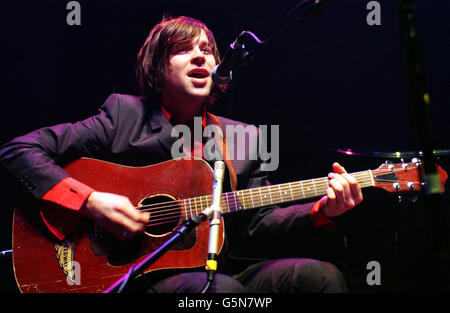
[153,58]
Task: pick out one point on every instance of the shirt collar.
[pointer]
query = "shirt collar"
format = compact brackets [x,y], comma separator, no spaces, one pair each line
[169,116]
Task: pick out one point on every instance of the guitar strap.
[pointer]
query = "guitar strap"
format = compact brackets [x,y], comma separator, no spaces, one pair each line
[225,152]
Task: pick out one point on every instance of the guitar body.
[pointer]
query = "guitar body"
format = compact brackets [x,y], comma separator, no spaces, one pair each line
[90,260]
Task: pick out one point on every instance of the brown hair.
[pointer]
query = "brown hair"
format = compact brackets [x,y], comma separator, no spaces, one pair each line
[153,58]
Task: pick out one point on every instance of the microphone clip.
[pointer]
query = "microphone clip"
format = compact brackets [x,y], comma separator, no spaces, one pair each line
[237,55]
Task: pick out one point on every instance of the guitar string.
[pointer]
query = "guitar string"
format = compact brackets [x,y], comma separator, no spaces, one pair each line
[306,183]
[176,210]
[175,215]
[320,190]
[245,197]
[313,183]
[246,193]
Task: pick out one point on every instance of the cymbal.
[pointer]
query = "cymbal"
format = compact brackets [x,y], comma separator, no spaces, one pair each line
[395,154]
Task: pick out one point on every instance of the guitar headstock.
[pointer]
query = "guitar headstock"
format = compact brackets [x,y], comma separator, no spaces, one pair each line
[403,177]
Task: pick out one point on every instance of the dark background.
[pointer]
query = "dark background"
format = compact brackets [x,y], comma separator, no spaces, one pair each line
[334,82]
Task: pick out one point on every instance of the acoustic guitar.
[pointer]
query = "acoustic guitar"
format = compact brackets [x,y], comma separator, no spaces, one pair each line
[90,260]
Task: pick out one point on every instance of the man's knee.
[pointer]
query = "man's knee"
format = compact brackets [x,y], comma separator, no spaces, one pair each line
[319,276]
[196,282]
[295,275]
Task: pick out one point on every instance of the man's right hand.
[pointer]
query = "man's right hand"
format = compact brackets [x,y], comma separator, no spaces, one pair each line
[115,214]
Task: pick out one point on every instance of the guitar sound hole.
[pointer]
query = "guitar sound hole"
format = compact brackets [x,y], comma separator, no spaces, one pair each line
[164,214]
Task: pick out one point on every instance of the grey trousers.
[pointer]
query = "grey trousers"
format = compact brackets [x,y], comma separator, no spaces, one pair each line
[289,275]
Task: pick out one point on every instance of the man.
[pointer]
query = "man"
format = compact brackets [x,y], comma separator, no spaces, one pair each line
[173,69]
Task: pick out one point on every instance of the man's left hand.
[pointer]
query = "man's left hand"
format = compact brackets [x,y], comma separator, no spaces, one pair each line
[343,192]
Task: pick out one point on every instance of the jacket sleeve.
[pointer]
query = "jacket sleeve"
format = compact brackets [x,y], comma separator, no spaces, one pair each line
[35,160]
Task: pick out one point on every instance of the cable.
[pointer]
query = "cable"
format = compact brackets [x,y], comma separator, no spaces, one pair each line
[125,281]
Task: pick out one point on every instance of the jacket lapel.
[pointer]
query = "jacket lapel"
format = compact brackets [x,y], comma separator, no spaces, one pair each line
[163,128]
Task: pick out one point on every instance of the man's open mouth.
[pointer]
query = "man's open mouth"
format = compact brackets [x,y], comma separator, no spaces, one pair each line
[198,73]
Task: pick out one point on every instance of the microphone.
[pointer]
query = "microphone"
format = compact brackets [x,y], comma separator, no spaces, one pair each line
[214,221]
[234,56]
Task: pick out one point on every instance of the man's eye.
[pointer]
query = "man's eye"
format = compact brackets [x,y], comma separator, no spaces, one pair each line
[182,50]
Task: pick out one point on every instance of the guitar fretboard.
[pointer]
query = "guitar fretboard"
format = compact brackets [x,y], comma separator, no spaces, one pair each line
[245,199]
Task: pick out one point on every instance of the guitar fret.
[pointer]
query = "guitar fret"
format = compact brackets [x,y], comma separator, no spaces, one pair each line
[325,186]
[251,197]
[243,201]
[270,194]
[303,191]
[224,205]
[314,186]
[228,205]
[201,203]
[185,211]
[260,196]
[281,195]
[308,188]
[206,203]
[290,188]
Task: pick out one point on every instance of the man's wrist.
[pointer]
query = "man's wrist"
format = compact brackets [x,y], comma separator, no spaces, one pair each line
[318,216]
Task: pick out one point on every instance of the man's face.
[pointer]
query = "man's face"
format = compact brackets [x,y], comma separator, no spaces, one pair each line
[189,70]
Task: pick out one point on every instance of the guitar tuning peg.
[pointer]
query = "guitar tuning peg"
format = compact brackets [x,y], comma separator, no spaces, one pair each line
[390,164]
[416,160]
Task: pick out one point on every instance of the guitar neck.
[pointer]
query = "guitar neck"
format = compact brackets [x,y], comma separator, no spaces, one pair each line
[245,199]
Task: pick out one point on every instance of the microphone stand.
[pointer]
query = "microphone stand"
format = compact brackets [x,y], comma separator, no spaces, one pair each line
[214,224]
[421,123]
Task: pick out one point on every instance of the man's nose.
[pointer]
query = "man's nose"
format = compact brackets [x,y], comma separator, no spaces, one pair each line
[198,57]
